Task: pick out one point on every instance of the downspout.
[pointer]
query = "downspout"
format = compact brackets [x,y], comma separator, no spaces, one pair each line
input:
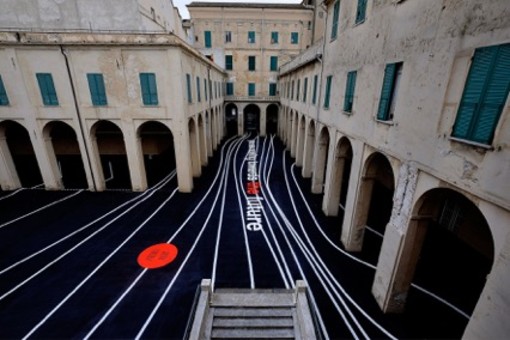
[77,107]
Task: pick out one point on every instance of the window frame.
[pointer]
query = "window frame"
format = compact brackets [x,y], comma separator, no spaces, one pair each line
[47,89]
[97,89]
[294,38]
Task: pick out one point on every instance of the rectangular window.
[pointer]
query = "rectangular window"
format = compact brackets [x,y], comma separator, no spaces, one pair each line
[314,94]
[230,89]
[3,94]
[392,74]
[228,36]
[360,12]
[485,94]
[48,93]
[288,89]
[251,89]
[274,63]
[210,89]
[251,63]
[205,89]
[336,15]
[327,92]
[350,85]
[97,89]
[272,89]
[274,37]
[292,91]
[198,90]
[149,89]
[188,87]
[251,37]
[298,88]
[207,39]
[294,37]
[305,89]
[229,62]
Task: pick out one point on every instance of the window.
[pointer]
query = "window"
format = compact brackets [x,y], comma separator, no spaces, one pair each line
[205,88]
[288,89]
[251,37]
[327,92]
[314,94]
[272,89]
[251,63]
[274,63]
[149,89]
[336,15]
[274,37]
[228,36]
[485,94]
[298,89]
[3,94]
[350,85]
[305,89]
[360,12]
[97,89]
[251,89]
[229,63]
[207,39]
[292,91]
[389,91]
[294,37]
[188,87]
[198,90]
[230,89]
[48,93]
[210,89]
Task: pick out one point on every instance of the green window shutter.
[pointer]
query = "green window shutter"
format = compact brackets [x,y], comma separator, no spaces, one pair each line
[198,90]
[207,39]
[314,94]
[298,88]
[272,89]
[228,62]
[274,37]
[48,93]
[149,88]
[327,92]
[97,89]
[349,90]
[205,88]
[292,91]
[251,37]
[4,100]
[387,89]
[251,89]
[336,15]
[230,89]
[294,37]
[251,63]
[360,12]
[305,89]
[484,94]
[274,63]
[188,87]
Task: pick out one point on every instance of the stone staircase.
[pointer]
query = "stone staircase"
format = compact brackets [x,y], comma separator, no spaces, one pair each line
[252,314]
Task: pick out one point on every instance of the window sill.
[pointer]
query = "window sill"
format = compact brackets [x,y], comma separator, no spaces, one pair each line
[347,113]
[471,143]
[358,23]
[385,122]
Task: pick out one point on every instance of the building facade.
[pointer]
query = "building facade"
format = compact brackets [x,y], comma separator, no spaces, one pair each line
[400,118]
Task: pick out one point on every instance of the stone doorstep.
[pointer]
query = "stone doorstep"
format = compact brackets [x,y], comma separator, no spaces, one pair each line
[253,299]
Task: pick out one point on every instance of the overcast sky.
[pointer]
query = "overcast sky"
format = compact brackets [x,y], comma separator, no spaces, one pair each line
[181,4]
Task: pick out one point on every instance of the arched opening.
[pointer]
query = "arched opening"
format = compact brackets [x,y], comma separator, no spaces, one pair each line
[194,150]
[309,145]
[321,162]
[251,118]
[112,154]
[231,115]
[158,151]
[457,251]
[202,141]
[300,141]
[375,202]
[272,119]
[293,146]
[21,152]
[67,154]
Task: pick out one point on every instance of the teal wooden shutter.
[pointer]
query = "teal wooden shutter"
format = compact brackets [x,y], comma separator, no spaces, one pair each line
[336,14]
[327,92]
[274,63]
[207,39]
[198,90]
[305,89]
[274,37]
[47,88]
[251,89]
[205,88]
[387,88]
[349,90]
[97,89]
[149,88]
[272,89]
[188,87]
[314,96]
[360,13]
[251,63]
[298,89]
[228,62]
[251,37]
[4,100]
[230,89]
[294,37]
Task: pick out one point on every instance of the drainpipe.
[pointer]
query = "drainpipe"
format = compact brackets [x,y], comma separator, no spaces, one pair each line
[77,107]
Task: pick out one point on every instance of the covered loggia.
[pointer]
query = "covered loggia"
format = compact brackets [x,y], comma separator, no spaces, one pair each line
[272,119]
[19,153]
[251,118]
[112,154]
[193,148]
[374,205]
[231,115]
[452,247]
[321,162]
[67,153]
[158,150]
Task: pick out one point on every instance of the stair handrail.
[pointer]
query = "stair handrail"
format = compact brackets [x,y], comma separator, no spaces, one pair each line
[191,316]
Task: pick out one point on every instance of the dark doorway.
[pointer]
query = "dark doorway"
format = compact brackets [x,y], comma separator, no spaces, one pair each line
[252,118]
[272,119]
[231,114]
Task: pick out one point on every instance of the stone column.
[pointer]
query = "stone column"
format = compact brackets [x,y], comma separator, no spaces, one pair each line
[47,162]
[9,179]
[333,186]
[319,171]
[263,119]
[135,160]
[95,161]
[309,146]
[183,158]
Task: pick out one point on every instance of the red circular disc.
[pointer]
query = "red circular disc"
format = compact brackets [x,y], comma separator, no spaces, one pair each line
[157,256]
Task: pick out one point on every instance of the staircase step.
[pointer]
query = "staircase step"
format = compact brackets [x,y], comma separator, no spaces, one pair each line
[253,323]
[252,312]
[253,300]
[228,333]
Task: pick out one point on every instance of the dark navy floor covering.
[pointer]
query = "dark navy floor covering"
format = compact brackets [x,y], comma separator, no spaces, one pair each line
[70,270]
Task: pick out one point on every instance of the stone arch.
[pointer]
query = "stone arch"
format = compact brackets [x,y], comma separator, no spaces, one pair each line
[63,147]
[309,146]
[110,152]
[22,168]
[251,118]
[321,161]
[194,149]
[157,145]
[272,113]
[231,118]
